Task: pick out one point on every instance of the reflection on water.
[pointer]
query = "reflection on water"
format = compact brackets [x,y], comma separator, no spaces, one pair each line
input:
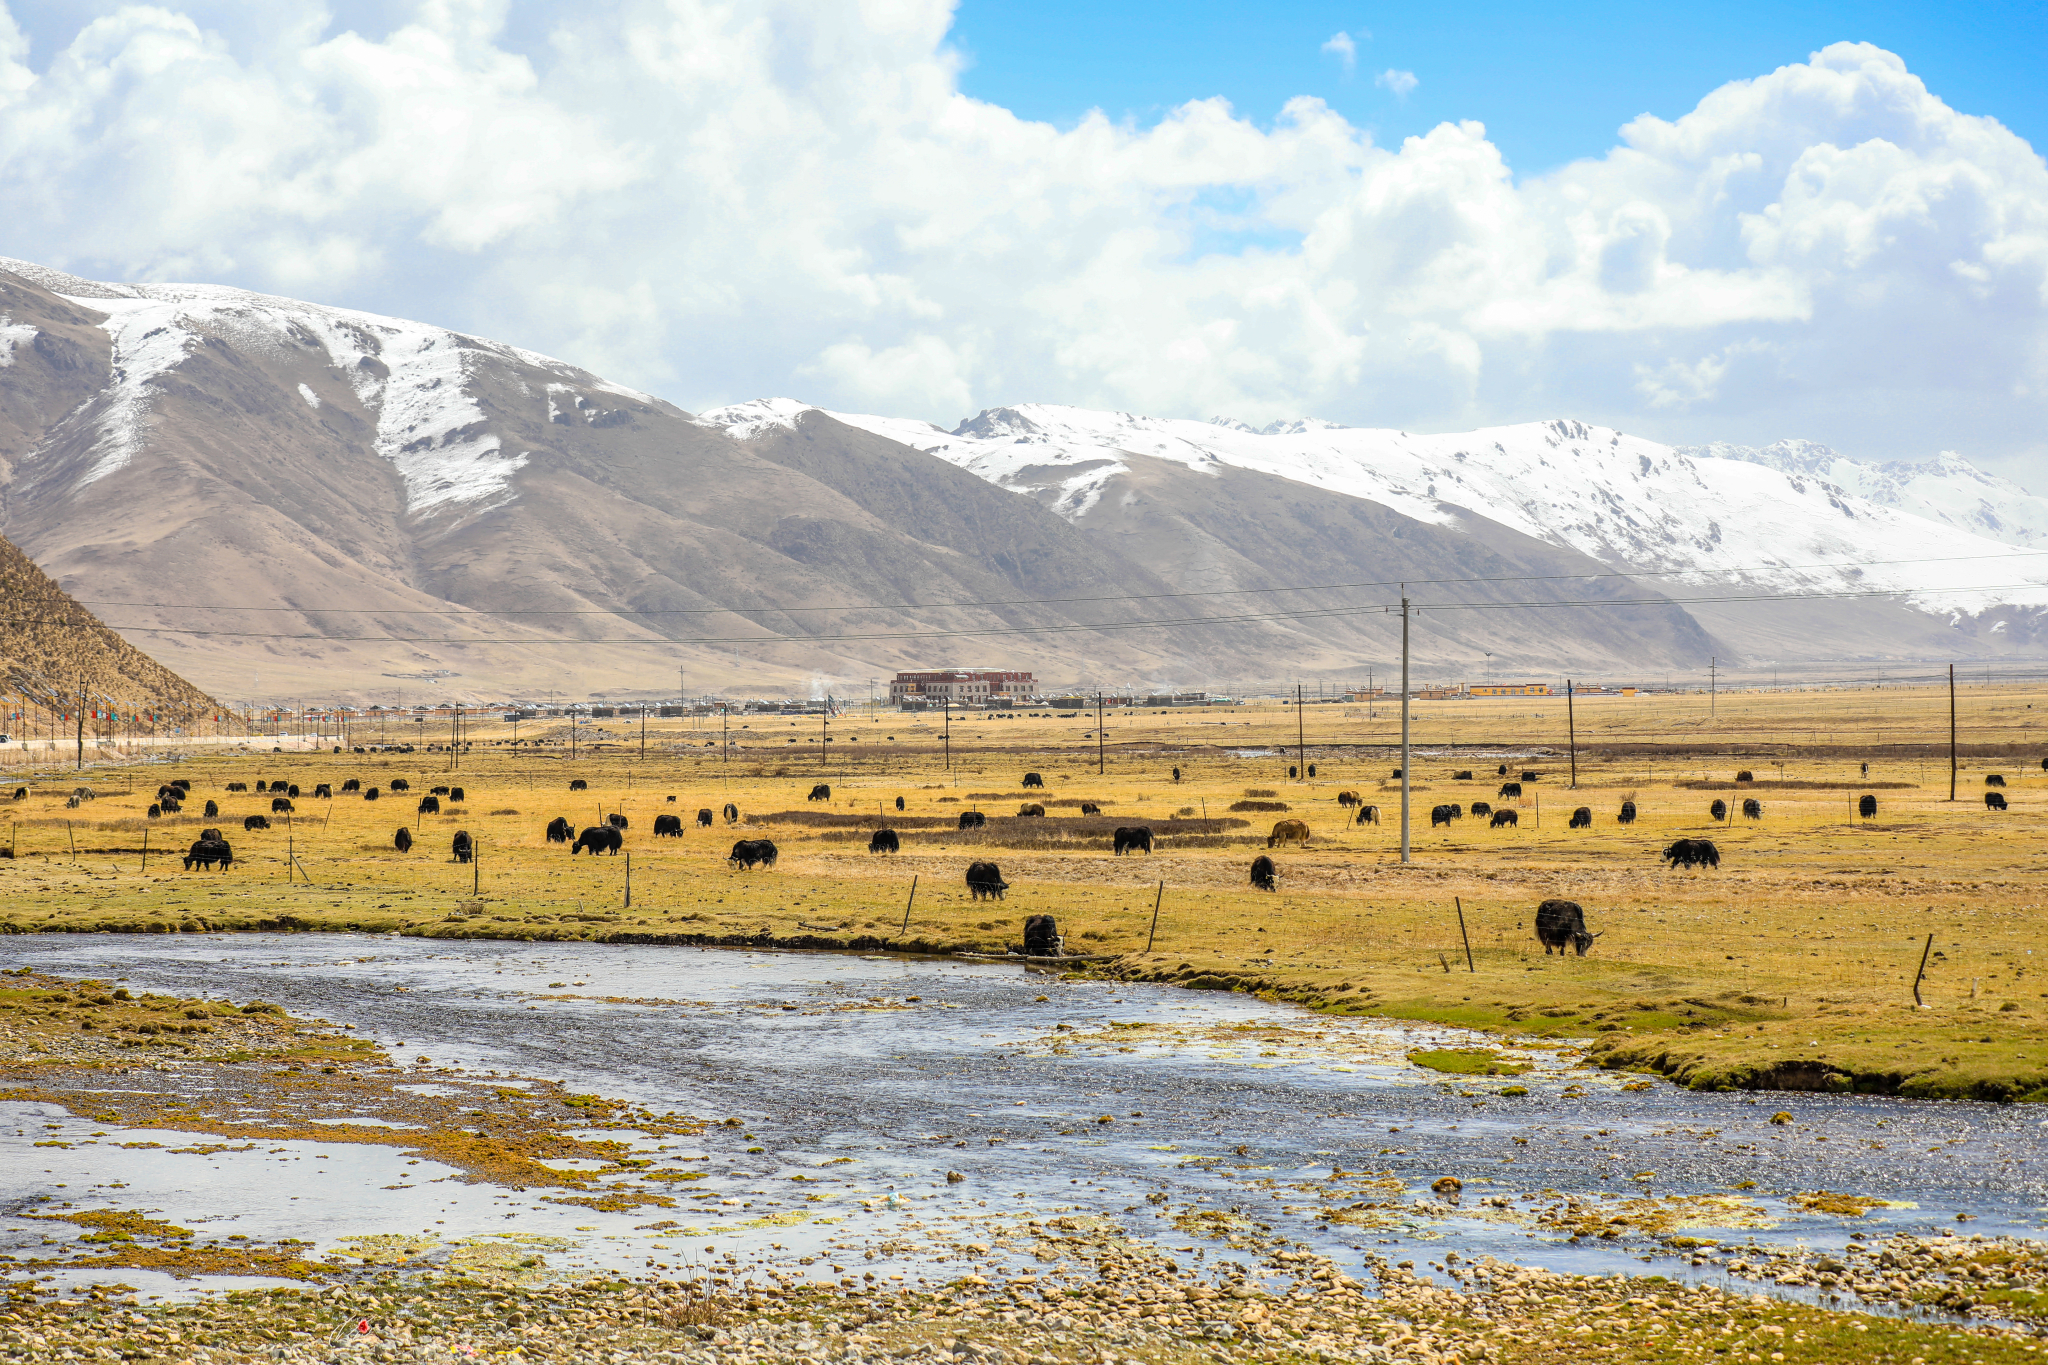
[913,1101]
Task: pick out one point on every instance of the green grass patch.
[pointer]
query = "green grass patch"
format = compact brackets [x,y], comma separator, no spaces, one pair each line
[1467,1061]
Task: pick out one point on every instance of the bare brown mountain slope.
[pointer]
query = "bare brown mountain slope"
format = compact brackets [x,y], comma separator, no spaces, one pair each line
[286,500]
[54,651]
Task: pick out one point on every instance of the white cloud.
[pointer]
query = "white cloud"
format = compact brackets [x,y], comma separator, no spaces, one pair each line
[713,200]
[1345,49]
[1400,82]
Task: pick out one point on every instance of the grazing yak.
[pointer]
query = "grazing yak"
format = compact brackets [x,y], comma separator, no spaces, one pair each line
[1561,924]
[1582,818]
[899,803]
[1132,839]
[669,825]
[1480,808]
[577,784]
[1462,775]
[183,784]
[463,847]
[1442,815]
[1348,799]
[1866,806]
[21,793]
[1628,813]
[1719,810]
[597,838]
[1033,780]
[732,813]
[1509,791]
[1292,772]
[821,792]
[280,805]
[172,807]
[212,811]
[704,817]
[154,812]
[1994,801]
[1033,809]
[399,784]
[1994,779]
[369,794]
[671,800]
[1263,873]
[1394,776]
[972,819]
[1501,771]
[207,852]
[616,821]
[1090,808]
[324,789]
[1693,853]
[1505,817]
[244,786]
[1041,936]
[438,791]
[1752,809]
[455,793]
[1311,770]
[1289,832]
[261,785]
[1745,776]
[430,805]
[884,841]
[1531,777]
[354,784]
[560,830]
[1368,815]
[985,881]
[168,793]
[748,854]
[255,822]
[402,841]
[292,791]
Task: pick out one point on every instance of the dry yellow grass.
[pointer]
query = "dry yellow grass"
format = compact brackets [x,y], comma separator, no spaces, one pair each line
[1790,965]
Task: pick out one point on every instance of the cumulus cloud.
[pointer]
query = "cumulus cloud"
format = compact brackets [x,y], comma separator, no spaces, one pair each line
[1400,82]
[1345,49]
[714,200]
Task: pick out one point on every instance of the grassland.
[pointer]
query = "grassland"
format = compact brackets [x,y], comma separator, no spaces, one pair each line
[1790,966]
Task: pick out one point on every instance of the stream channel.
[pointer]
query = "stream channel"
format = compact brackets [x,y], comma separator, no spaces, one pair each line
[872,1078]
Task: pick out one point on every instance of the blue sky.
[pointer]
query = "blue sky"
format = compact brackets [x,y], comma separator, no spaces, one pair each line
[1551,83]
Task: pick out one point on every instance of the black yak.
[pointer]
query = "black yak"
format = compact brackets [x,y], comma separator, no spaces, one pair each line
[1719,810]
[256,822]
[369,794]
[1531,777]
[884,841]
[1506,817]
[1348,799]
[207,852]
[616,821]
[463,847]
[670,826]
[972,819]
[244,786]
[1481,808]
[324,789]
[749,853]
[1628,813]
[155,811]
[280,805]
[1745,776]
[1370,815]
[354,784]
[560,830]
[399,784]
[430,805]
[1031,810]
[985,881]
[704,816]
[1561,925]
[455,793]
[1462,775]
[1866,806]
[1693,853]
[1033,780]
[598,839]
[1509,791]
[1263,872]
[732,813]
[402,841]
[577,784]
[821,792]
[899,803]
[212,811]
[1441,815]
[1752,809]
[1582,818]
[1131,839]
[292,791]
[1994,801]
[438,791]
[1994,779]
[1041,936]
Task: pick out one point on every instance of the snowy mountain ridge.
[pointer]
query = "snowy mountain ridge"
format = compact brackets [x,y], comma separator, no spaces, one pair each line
[1689,518]
[1947,488]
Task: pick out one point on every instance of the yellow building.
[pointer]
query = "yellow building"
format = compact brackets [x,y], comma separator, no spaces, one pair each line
[1511,690]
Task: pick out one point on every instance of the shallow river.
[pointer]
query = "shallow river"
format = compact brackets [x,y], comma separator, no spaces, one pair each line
[1221,1106]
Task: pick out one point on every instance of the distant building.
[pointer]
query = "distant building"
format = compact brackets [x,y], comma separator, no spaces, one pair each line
[959,686]
[1511,690]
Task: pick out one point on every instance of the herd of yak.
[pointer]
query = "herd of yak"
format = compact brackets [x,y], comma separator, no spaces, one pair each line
[1559,924]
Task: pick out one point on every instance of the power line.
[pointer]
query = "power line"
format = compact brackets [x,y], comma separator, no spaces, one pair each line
[1111,597]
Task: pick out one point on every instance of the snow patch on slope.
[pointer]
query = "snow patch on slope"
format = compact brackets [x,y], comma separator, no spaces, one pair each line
[1947,488]
[1634,504]
[13,334]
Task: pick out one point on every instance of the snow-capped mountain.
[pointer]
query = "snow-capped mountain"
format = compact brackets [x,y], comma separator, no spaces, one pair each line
[1691,522]
[1947,488]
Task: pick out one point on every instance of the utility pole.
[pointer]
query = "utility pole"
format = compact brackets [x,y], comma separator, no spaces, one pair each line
[825,730]
[643,730]
[1300,737]
[81,724]
[1100,758]
[1713,686]
[949,730]
[1404,724]
[725,733]
[1951,732]
[1572,723]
